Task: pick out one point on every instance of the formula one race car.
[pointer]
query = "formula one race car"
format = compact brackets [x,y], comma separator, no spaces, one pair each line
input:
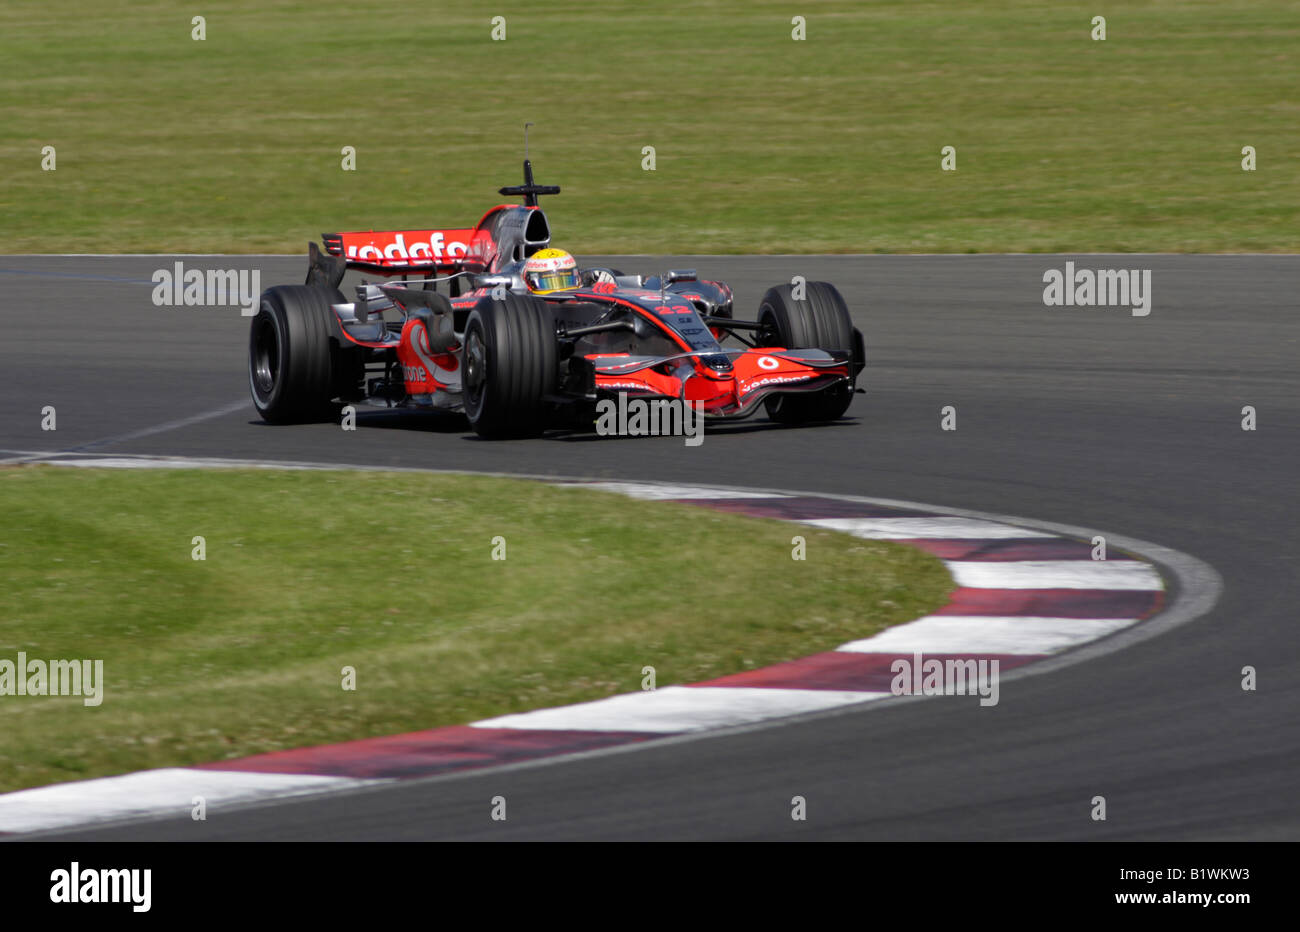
[524,339]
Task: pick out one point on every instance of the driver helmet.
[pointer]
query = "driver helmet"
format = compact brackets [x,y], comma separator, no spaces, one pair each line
[550,270]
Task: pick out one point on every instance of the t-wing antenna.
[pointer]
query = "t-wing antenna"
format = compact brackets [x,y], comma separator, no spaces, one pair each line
[529,190]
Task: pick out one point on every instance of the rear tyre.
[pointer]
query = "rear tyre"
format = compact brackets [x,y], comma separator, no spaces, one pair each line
[510,364]
[819,321]
[290,356]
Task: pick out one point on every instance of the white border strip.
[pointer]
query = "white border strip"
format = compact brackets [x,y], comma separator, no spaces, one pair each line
[677,709]
[936,528]
[168,791]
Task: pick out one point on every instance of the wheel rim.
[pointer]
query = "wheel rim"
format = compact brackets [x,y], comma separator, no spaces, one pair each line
[475,375]
[266,356]
[773,335]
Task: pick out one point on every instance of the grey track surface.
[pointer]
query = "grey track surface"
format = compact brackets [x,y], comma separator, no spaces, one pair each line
[1084,416]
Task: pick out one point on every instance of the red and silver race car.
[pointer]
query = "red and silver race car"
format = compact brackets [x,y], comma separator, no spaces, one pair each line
[518,349]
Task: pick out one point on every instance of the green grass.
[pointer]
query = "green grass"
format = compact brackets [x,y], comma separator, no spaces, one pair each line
[763,144]
[392,574]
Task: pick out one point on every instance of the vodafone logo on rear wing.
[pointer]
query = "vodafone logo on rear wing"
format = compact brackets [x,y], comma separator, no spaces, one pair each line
[404,247]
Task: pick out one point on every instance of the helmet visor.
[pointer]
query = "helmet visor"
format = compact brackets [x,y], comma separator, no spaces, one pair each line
[557,280]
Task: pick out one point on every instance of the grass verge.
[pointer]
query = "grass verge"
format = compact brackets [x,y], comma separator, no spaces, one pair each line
[762,143]
[392,574]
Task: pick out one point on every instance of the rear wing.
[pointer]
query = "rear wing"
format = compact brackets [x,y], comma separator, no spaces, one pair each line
[507,231]
[395,251]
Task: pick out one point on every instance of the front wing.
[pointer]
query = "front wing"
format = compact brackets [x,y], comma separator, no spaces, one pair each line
[754,375]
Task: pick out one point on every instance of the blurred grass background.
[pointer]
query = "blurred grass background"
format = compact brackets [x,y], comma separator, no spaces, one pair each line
[763,144]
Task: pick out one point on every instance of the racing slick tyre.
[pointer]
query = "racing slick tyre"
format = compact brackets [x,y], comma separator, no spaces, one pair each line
[510,365]
[290,354]
[819,321]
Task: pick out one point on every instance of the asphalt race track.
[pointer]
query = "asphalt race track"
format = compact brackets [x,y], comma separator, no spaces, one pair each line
[1079,415]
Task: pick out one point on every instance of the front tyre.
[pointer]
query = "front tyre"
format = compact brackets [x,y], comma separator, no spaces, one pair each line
[290,359]
[510,364]
[819,321]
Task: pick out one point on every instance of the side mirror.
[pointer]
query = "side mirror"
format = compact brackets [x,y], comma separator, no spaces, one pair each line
[492,280]
[680,275]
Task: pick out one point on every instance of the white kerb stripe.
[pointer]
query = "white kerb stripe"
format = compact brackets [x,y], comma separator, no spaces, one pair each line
[675,709]
[986,634]
[1056,574]
[149,792]
[652,492]
[938,527]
